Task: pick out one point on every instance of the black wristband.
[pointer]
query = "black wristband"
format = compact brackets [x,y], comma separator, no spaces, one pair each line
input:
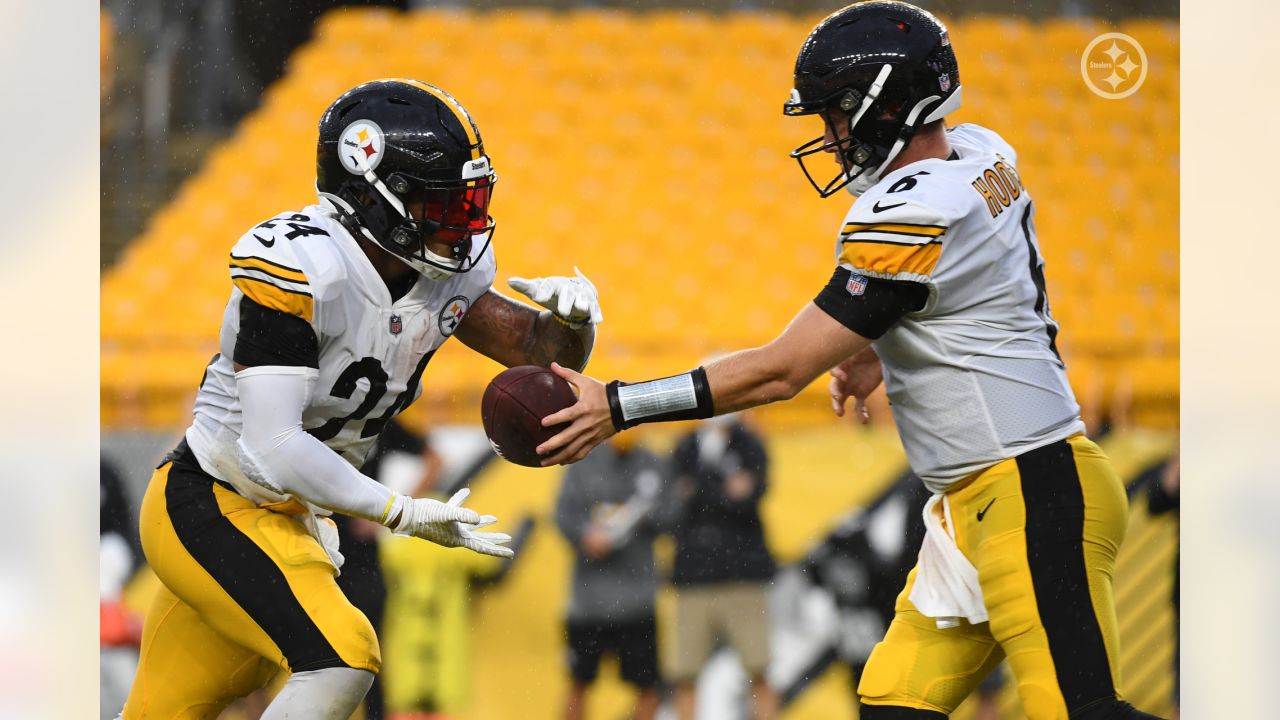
[680,397]
[615,405]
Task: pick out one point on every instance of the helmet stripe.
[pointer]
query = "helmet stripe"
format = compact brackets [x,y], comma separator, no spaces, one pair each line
[464,118]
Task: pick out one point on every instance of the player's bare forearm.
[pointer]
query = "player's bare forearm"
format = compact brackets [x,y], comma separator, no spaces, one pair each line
[812,344]
[513,333]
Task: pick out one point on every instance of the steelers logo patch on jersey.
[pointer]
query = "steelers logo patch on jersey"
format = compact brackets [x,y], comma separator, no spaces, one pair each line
[451,314]
[362,146]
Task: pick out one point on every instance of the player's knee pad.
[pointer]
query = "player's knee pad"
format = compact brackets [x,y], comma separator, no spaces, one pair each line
[1110,709]
[884,671]
[894,712]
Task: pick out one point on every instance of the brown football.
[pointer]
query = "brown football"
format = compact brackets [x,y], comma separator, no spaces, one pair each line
[513,407]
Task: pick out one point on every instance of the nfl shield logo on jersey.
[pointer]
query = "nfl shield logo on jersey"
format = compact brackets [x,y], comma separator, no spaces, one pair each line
[396,325]
[857,285]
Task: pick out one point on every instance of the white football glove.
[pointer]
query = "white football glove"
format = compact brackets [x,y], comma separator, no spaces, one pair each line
[572,299]
[451,525]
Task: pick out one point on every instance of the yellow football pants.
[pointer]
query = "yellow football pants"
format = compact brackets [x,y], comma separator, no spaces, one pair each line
[247,591]
[1043,531]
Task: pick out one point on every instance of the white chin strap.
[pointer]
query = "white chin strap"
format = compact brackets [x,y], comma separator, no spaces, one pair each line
[432,272]
[864,181]
[868,179]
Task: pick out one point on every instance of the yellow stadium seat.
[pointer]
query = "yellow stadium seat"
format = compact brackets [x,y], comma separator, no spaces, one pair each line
[1004,34]
[612,150]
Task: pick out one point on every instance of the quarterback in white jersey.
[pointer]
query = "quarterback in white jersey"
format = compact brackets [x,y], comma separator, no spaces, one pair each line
[938,290]
[335,312]
[973,374]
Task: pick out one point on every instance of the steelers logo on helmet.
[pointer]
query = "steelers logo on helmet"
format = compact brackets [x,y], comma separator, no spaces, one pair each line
[361,146]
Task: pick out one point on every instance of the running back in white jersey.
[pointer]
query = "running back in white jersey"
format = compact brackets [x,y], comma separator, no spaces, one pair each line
[372,351]
[974,377]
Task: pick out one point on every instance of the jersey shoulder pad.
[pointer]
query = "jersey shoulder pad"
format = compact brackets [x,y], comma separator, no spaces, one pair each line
[265,267]
[895,231]
[976,136]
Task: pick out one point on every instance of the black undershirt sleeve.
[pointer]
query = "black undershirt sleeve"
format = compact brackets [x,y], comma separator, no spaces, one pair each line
[869,306]
[271,337]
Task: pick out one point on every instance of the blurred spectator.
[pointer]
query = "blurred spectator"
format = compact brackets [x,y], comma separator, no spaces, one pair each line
[864,563]
[722,567]
[119,554]
[988,695]
[1163,497]
[611,507]
[425,631]
[362,577]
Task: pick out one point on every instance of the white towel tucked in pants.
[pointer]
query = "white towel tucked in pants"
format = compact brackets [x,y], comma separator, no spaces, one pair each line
[946,586]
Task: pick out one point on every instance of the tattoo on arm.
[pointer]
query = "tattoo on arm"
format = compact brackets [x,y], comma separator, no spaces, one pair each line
[513,333]
[552,339]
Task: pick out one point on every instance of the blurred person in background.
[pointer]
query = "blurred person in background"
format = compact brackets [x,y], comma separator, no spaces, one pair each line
[426,650]
[610,508]
[863,564]
[939,292]
[723,568]
[334,313]
[119,556]
[362,578]
[988,695]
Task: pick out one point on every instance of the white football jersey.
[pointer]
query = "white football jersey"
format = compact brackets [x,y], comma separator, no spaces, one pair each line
[974,377]
[372,351]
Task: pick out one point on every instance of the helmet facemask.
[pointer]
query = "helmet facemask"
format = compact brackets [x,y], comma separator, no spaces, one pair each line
[451,212]
[406,214]
[868,130]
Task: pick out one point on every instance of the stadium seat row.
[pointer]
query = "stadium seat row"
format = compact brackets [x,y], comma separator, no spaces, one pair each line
[649,149]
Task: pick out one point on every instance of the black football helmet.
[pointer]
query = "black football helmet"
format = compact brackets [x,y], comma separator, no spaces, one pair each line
[885,69]
[402,163]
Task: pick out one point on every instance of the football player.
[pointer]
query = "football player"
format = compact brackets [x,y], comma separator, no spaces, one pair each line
[335,313]
[939,290]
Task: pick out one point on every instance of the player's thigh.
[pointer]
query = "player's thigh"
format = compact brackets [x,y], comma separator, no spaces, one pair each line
[186,669]
[1047,585]
[256,576]
[695,635]
[743,614]
[636,643]
[922,667]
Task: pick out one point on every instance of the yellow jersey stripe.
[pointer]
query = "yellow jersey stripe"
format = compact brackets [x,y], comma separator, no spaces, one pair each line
[896,229]
[273,269]
[271,296]
[884,259]
[468,126]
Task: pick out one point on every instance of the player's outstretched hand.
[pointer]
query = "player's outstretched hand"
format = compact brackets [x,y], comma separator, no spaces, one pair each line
[589,421]
[856,377]
[572,299]
[451,525]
